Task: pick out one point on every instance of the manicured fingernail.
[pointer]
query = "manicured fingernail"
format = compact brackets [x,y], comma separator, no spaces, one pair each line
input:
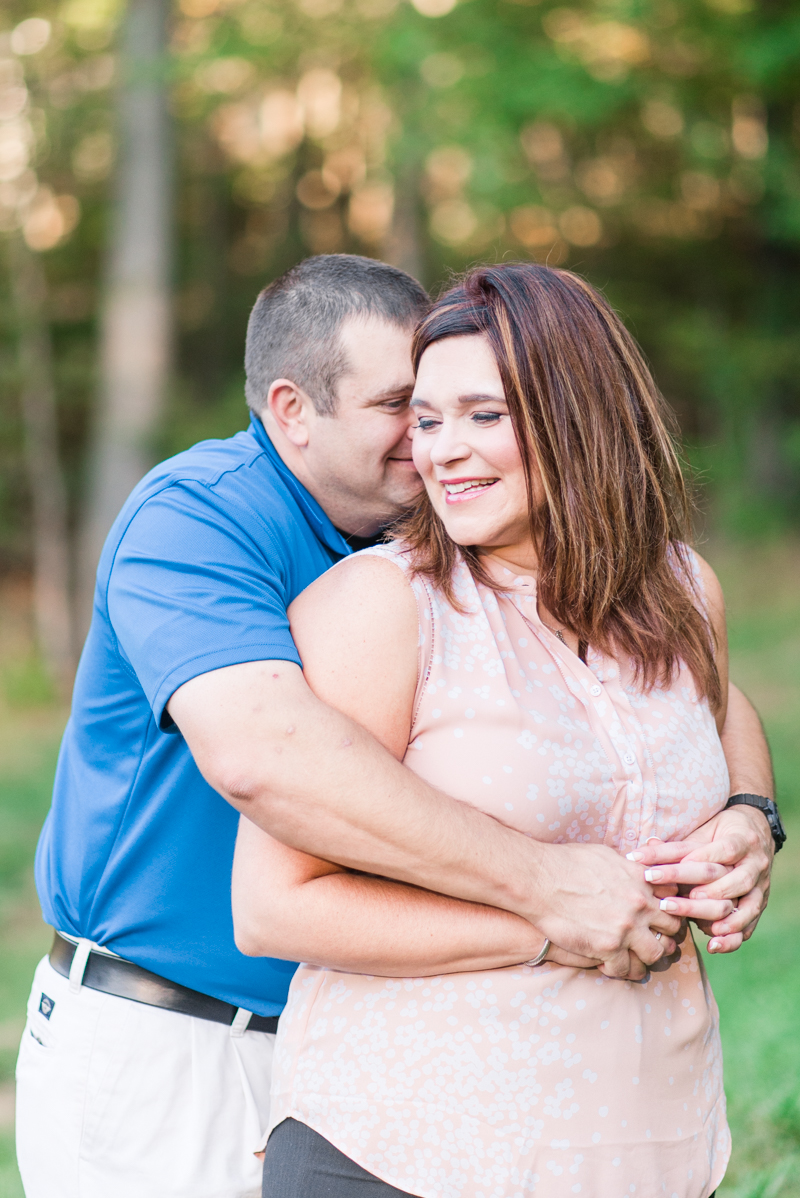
[668,904]
[714,946]
[634,856]
[650,839]
[653,875]
[699,894]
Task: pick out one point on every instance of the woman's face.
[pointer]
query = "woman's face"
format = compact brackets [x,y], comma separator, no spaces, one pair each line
[464,445]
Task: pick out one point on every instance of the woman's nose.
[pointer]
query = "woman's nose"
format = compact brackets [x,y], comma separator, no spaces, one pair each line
[448,446]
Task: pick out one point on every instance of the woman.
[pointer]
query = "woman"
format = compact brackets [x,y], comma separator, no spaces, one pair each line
[558,660]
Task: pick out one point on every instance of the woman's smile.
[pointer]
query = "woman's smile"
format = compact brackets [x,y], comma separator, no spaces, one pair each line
[459,490]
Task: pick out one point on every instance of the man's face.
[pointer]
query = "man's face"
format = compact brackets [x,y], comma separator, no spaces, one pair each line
[359,460]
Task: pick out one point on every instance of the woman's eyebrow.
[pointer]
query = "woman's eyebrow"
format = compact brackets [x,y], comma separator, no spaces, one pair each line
[476,397]
[480,397]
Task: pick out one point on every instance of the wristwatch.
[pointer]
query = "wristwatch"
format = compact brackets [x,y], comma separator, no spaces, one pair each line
[770,809]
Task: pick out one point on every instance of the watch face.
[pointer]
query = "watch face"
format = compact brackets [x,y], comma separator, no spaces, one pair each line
[775,825]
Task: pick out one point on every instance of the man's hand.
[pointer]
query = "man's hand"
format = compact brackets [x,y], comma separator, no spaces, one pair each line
[596,904]
[728,858]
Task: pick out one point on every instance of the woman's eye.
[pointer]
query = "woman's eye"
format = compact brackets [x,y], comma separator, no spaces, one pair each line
[426,423]
[486,417]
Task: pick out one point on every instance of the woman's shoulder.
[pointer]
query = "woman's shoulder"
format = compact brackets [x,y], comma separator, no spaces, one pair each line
[699,576]
[387,565]
[397,551]
[357,631]
[392,569]
[365,583]
[391,566]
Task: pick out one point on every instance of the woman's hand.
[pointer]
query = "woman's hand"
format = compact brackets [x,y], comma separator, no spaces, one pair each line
[725,866]
[723,869]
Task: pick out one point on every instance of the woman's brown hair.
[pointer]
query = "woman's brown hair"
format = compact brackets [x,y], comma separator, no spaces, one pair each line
[591,423]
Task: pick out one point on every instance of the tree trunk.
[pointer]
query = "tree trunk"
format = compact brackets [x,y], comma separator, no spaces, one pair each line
[136,334]
[51,582]
[403,245]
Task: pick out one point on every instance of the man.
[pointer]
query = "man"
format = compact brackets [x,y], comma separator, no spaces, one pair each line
[144,1067]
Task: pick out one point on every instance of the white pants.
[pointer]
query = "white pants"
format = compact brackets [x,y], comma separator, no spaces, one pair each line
[116,1099]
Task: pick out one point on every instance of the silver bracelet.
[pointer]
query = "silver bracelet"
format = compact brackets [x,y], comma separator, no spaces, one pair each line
[540,956]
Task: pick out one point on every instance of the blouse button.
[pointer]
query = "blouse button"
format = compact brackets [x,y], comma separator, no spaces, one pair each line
[595,690]
[630,834]
[629,758]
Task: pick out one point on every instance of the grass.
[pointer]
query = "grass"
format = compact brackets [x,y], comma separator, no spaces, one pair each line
[756,988]
[28,746]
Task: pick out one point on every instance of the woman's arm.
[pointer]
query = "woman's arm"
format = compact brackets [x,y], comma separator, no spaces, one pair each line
[289,905]
[357,632]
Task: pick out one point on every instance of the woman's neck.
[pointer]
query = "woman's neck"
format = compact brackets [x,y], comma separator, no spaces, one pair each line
[521,558]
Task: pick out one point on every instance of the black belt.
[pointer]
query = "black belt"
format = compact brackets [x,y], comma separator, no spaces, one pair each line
[113,975]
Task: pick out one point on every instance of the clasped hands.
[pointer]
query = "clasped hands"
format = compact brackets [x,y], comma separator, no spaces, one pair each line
[719,878]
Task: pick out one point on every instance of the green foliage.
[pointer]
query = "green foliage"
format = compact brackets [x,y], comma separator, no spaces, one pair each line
[10,1184]
[650,144]
[25,683]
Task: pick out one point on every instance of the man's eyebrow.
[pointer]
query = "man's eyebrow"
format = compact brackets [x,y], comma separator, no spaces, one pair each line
[401,391]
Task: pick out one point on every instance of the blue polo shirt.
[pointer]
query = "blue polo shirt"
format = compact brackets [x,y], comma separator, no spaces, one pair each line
[196,574]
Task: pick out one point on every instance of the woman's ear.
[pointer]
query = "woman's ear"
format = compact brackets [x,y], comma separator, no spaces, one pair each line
[289,407]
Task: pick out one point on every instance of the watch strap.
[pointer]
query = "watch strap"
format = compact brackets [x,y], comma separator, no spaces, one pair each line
[770,809]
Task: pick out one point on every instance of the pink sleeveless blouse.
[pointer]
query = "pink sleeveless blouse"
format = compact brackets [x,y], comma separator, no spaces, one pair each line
[546,1081]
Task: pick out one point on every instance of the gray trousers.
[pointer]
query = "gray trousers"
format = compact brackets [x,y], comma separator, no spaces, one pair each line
[300,1163]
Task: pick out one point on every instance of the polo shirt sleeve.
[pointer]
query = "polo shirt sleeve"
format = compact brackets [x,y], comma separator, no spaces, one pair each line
[196,585]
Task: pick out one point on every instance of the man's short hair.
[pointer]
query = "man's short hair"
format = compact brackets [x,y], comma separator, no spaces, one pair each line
[294,327]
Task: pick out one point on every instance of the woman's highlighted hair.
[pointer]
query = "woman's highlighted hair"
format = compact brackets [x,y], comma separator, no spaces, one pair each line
[591,422]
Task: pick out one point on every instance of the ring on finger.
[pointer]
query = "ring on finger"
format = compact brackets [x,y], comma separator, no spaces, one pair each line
[658,935]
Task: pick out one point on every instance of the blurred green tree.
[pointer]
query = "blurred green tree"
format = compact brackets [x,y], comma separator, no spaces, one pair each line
[136,320]
[49,539]
[650,144]
[39,212]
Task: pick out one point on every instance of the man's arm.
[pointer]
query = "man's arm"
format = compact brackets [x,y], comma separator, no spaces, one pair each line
[731,855]
[746,749]
[287,904]
[317,781]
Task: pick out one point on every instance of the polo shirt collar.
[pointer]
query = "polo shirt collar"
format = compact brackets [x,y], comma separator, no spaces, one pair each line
[315,515]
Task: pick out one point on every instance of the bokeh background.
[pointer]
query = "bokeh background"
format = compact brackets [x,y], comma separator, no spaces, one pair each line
[160,162]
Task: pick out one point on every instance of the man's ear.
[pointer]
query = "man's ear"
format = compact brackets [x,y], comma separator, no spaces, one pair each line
[290,408]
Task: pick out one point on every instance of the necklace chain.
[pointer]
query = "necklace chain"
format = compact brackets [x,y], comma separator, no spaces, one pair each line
[559,632]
